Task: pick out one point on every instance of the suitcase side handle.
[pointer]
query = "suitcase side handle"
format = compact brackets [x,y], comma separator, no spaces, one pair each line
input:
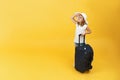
[83,39]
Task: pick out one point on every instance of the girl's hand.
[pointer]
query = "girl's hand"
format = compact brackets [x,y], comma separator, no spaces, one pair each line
[77,13]
[83,34]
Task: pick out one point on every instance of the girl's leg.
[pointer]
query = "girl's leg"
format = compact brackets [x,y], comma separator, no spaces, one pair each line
[76,44]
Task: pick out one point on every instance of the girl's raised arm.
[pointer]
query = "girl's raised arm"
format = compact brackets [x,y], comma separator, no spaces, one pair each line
[73,18]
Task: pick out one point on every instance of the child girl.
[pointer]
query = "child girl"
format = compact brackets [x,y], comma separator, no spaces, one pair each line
[82,28]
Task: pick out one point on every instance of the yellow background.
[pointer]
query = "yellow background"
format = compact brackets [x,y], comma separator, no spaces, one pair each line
[36,39]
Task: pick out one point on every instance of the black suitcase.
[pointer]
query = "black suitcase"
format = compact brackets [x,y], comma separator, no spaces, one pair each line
[83,57]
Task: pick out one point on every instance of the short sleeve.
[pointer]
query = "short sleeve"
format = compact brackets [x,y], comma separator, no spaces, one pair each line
[85,26]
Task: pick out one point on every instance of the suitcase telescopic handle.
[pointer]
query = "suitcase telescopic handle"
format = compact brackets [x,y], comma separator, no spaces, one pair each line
[83,39]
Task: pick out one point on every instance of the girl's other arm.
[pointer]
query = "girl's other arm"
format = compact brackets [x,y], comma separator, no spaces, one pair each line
[88,31]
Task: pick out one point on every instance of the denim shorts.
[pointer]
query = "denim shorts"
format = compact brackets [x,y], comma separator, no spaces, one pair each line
[77,44]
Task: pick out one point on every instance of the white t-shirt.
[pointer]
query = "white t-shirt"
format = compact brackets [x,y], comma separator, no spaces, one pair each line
[79,30]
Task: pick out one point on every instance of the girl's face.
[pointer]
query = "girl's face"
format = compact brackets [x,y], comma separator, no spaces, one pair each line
[80,18]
